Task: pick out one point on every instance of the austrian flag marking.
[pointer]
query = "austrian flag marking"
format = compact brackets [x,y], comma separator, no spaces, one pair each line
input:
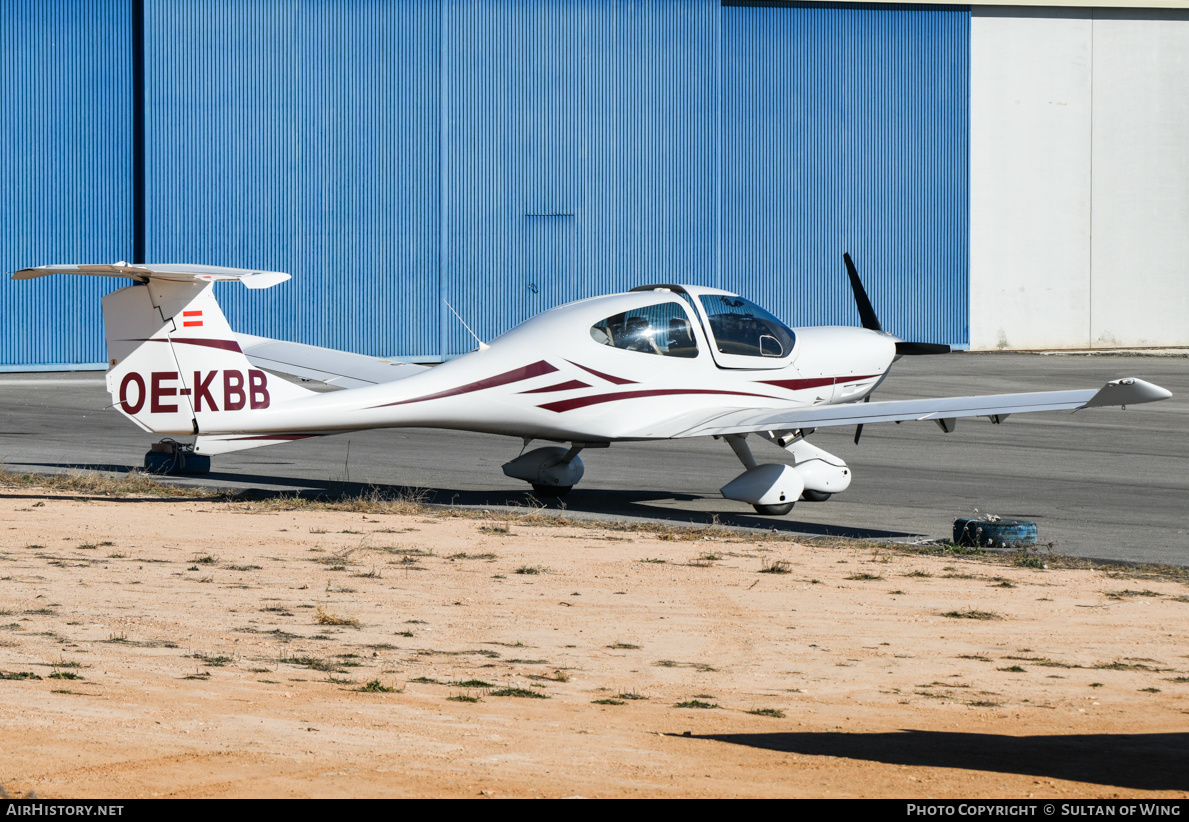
[191,319]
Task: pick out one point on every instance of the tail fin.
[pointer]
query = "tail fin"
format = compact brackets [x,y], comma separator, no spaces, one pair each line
[174,363]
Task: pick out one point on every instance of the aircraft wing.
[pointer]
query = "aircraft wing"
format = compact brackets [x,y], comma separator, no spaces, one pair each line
[341,369]
[944,409]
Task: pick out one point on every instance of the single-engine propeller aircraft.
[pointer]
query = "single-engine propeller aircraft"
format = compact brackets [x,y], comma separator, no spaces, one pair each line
[658,362]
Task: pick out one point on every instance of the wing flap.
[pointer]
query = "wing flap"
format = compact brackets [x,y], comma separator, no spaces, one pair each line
[1119,392]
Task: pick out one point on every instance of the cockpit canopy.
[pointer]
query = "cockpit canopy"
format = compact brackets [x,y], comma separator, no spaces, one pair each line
[653,329]
[740,333]
[742,328]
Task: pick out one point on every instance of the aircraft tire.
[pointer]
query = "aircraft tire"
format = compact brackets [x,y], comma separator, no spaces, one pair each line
[1002,534]
[179,462]
[774,510]
[551,490]
[815,496]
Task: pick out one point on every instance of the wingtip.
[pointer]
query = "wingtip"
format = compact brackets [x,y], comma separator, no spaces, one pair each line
[31,273]
[1157,392]
[1149,392]
[1128,391]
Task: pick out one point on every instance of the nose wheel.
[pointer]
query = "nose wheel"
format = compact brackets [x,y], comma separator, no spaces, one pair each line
[774,510]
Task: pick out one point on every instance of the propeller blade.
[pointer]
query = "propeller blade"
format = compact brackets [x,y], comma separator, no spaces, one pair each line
[859,427]
[866,312]
[910,348]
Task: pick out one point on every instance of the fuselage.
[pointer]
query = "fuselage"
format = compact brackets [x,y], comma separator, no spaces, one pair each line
[647,364]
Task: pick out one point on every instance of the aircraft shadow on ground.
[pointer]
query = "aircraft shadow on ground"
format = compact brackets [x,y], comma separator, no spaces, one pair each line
[602,503]
[1150,762]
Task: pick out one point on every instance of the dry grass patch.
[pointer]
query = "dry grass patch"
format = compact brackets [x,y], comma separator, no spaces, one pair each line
[777,567]
[972,613]
[132,484]
[325,617]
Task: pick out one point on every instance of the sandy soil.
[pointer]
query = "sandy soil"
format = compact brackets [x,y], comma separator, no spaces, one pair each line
[190,648]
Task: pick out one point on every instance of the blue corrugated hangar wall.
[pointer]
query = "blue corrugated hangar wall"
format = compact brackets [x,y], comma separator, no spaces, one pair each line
[503,156]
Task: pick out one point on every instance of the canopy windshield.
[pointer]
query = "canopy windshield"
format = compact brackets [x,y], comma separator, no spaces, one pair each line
[742,328]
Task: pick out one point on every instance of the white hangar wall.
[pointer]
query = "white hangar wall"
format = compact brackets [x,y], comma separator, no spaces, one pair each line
[1079,178]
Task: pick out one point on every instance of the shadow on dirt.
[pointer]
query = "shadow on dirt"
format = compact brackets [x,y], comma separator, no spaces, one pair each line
[580,503]
[1149,762]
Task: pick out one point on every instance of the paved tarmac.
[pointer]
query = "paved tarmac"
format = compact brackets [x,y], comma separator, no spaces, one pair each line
[1102,484]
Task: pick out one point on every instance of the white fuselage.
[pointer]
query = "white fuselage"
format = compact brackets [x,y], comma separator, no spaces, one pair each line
[549,378]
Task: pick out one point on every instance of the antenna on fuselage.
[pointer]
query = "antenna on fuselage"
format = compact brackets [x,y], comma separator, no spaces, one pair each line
[482,345]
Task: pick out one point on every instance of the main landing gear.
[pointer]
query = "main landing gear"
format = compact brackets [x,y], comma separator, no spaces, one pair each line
[552,470]
[773,488]
[815,496]
[172,457]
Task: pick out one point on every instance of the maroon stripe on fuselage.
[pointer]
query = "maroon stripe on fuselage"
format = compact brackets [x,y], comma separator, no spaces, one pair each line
[815,382]
[601,375]
[515,375]
[596,399]
[561,386]
[226,345]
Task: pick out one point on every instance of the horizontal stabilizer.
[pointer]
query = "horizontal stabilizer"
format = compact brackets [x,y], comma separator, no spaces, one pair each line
[1120,392]
[169,272]
[341,369]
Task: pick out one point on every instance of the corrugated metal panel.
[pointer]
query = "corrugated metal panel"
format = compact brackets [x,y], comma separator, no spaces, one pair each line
[650,81]
[847,128]
[603,111]
[65,170]
[301,137]
[549,255]
[512,122]
[369,173]
[508,156]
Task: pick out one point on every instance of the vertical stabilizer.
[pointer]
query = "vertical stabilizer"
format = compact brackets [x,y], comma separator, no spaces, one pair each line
[175,364]
[143,375]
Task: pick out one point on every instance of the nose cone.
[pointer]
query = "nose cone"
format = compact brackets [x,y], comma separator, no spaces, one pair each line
[838,351]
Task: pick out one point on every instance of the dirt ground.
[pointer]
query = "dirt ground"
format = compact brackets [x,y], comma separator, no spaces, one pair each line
[154,648]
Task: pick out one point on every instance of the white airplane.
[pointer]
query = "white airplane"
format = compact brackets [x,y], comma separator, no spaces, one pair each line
[659,362]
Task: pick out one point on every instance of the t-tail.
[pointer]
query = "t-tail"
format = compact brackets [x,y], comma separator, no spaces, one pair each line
[174,364]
